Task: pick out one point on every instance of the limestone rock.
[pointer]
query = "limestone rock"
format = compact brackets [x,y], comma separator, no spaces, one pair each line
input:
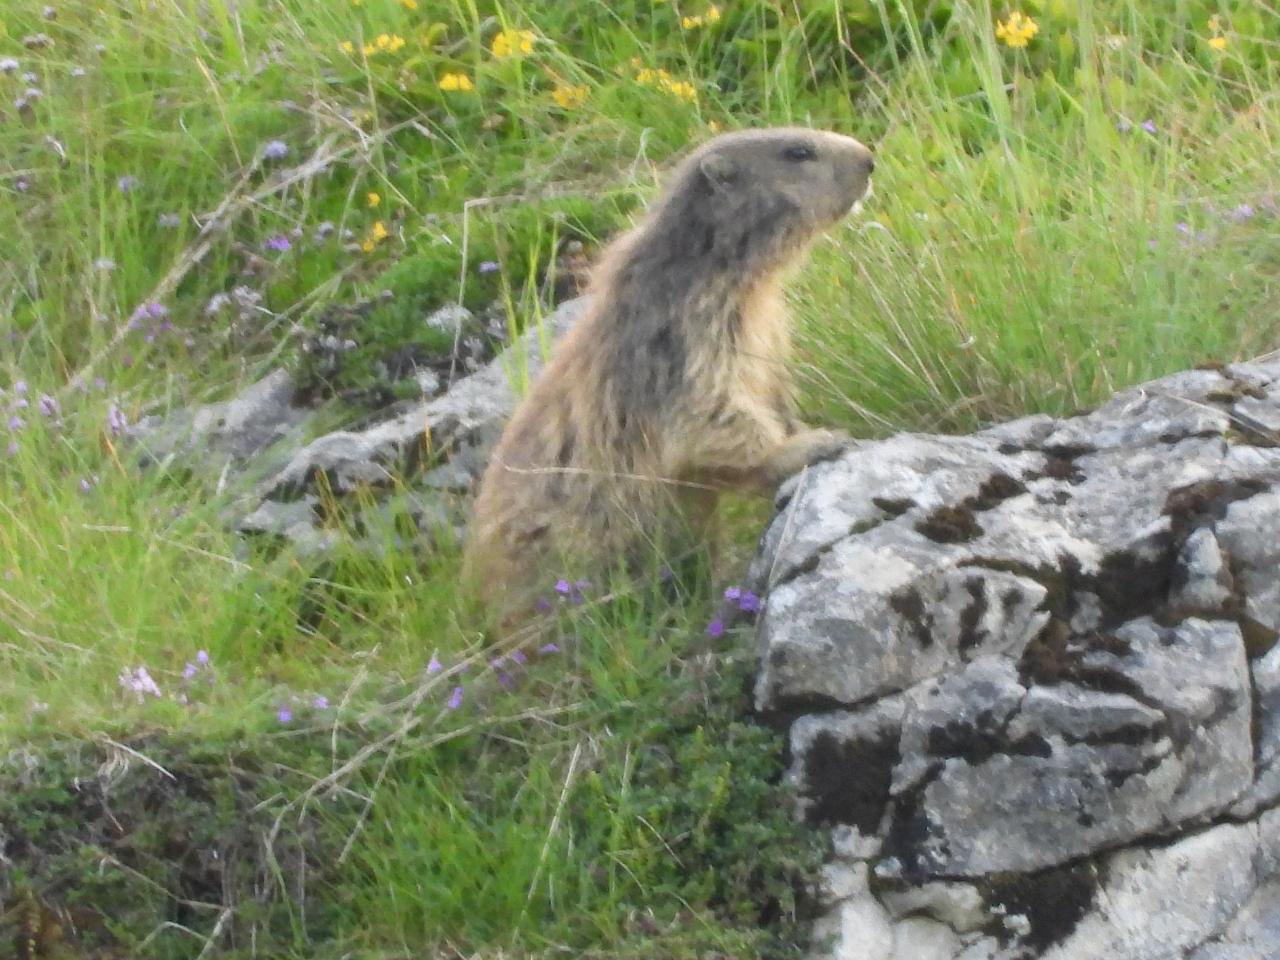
[1031,678]
[468,416]
[256,444]
[250,430]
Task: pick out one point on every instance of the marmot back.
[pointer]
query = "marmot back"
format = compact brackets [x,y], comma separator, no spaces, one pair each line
[673,385]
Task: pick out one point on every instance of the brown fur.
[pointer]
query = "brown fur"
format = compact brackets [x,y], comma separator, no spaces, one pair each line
[673,385]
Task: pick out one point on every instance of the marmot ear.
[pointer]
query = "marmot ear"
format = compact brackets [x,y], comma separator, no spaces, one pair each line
[718,169]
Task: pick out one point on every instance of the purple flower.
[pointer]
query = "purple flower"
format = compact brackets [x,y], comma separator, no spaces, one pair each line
[1242,212]
[488,266]
[85,485]
[99,383]
[324,229]
[48,405]
[274,149]
[434,666]
[169,220]
[127,183]
[117,422]
[563,587]
[144,311]
[77,72]
[542,604]
[715,629]
[202,657]
[1183,229]
[13,448]
[139,681]
[505,681]
[321,702]
[455,699]
[189,671]
[518,656]
[20,386]
[284,715]
[749,602]
[733,593]
[8,65]
[22,184]
[278,242]
[16,423]
[1123,125]
[1149,126]
[549,648]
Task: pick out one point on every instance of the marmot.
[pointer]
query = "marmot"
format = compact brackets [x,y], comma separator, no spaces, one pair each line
[673,385]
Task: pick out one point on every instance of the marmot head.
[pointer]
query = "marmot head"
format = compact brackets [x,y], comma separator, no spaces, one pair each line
[755,197]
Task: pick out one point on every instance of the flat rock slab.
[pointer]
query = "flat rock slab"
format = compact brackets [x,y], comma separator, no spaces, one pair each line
[1032,679]
[468,417]
[285,480]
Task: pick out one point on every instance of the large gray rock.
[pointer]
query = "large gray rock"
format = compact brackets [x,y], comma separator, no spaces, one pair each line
[1032,679]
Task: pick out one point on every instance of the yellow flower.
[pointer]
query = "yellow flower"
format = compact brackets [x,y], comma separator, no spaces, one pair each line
[373,199]
[377,233]
[1017,31]
[510,42]
[347,46]
[681,89]
[711,16]
[1218,43]
[664,81]
[455,81]
[409,4]
[397,42]
[369,49]
[715,126]
[568,96]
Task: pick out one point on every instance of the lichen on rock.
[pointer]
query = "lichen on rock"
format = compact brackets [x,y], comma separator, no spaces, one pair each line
[1032,680]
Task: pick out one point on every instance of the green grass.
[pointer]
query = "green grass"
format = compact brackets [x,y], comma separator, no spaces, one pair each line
[1022,253]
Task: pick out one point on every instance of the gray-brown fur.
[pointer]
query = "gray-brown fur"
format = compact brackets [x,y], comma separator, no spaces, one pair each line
[673,385]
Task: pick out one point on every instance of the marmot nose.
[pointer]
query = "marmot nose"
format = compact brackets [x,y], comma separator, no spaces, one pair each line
[871,164]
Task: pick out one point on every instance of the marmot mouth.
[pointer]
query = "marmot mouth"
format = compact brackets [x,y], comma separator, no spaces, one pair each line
[857,204]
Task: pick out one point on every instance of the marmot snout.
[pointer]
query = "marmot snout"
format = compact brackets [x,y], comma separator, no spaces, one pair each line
[673,385]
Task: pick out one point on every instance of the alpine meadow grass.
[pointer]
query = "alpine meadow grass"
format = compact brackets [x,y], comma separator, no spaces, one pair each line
[1070,197]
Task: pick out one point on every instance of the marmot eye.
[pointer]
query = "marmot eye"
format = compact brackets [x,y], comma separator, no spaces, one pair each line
[800,152]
